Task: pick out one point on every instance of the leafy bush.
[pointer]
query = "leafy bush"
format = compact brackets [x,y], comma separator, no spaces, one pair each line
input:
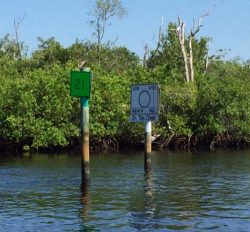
[36,110]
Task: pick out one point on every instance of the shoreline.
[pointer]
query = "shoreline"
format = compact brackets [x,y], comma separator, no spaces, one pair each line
[110,145]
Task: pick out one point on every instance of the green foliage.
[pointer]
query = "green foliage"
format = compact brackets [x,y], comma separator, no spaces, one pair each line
[180,105]
[111,108]
[36,110]
[110,105]
[223,101]
[112,59]
[10,49]
[50,52]
[167,56]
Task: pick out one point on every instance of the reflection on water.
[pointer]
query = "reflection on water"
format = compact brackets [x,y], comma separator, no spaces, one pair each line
[85,203]
[181,191]
[85,197]
[149,193]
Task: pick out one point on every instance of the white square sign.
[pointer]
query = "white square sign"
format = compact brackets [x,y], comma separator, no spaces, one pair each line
[144,100]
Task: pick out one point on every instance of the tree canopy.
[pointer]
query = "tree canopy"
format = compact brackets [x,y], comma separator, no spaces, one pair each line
[36,111]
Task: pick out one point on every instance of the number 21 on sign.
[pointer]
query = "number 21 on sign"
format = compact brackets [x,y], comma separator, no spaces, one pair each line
[80,82]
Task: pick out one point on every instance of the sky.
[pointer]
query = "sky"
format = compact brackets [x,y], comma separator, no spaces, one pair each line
[228,24]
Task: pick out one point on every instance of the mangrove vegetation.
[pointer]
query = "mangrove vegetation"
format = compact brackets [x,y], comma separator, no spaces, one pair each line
[205,99]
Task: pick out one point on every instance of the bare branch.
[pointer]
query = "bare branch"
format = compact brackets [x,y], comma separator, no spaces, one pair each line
[196,28]
[19,21]
[17,24]
[160,35]
[81,64]
[158,45]
[145,55]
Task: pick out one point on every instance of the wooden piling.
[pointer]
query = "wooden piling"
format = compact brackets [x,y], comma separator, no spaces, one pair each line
[148,145]
[85,137]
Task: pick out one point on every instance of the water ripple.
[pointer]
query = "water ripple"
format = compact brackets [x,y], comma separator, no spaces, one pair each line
[184,192]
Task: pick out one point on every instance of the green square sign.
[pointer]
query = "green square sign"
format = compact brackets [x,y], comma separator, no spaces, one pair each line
[80,83]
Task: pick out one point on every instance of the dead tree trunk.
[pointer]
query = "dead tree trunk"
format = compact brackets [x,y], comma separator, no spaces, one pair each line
[191,63]
[145,56]
[180,32]
[187,54]
[17,42]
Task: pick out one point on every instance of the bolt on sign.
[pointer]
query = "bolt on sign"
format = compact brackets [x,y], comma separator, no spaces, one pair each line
[80,84]
[144,102]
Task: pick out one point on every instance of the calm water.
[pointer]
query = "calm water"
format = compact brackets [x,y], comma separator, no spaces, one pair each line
[183,192]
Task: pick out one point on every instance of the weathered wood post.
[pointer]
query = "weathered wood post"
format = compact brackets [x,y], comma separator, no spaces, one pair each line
[80,86]
[85,137]
[148,145]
